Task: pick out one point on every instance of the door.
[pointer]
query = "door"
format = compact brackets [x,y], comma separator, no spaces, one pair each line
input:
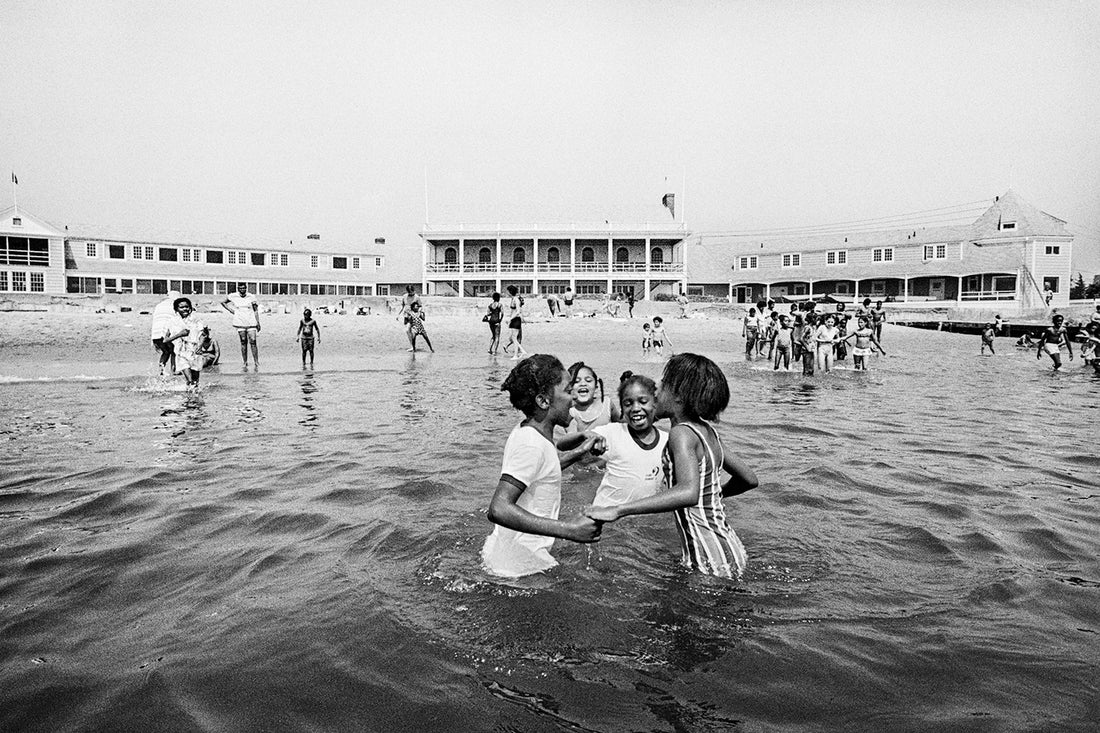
[744,295]
[936,288]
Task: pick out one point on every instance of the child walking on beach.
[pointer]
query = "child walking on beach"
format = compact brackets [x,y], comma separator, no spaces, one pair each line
[515,322]
[693,392]
[865,345]
[660,338]
[750,331]
[527,499]
[308,331]
[493,318]
[647,339]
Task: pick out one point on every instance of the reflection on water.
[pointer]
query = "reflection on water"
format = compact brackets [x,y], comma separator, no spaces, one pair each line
[170,560]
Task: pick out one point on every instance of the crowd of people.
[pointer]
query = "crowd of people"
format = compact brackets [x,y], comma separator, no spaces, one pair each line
[815,338]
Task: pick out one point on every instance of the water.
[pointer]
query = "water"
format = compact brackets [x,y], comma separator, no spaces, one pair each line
[299,551]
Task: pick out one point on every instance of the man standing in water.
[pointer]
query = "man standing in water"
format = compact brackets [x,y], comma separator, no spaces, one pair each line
[164,316]
[246,319]
[1052,339]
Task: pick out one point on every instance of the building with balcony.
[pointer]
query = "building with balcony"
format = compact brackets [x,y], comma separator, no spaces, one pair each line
[474,261]
[1012,253]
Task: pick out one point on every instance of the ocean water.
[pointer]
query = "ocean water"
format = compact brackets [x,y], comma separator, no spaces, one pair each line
[294,550]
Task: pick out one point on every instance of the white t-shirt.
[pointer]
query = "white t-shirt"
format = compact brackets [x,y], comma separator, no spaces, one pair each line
[532,459]
[163,318]
[244,316]
[632,472]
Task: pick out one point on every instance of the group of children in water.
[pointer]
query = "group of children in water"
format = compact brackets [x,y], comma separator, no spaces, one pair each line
[817,339]
[639,459]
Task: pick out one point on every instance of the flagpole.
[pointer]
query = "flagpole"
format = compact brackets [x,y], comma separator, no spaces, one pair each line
[683,196]
[14,194]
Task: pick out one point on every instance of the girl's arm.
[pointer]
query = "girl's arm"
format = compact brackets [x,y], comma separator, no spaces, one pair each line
[874,341]
[301,325]
[742,478]
[1039,350]
[684,446]
[504,510]
[175,336]
[574,446]
[317,331]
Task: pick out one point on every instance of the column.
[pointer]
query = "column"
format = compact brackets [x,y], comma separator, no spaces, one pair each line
[959,292]
[767,291]
[855,295]
[461,267]
[423,267]
[905,289]
[648,246]
[729,297]
[498,265]
[648,287]
[610,261]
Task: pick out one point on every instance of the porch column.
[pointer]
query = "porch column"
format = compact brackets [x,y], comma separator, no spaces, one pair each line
[855,295]
[498,254]
[535,266]
[498,285]
[729,297]
[767,291]
[811,286]
[610,261]
[647,287]
[905,290]
[461,255]
[959,292]
[648,243]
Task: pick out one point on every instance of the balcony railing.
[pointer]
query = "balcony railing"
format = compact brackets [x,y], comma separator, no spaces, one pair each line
[533,268]
[988,295]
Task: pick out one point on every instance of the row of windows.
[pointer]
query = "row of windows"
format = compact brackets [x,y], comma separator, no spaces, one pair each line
[217,256]
[17,282]
[840,257]
[553,255]
[24,251]
[141,286]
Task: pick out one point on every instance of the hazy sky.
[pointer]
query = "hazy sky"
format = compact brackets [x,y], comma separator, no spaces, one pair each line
[277,119]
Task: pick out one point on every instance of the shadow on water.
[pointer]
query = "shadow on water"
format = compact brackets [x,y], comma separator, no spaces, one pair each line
[412,388]
[308,384]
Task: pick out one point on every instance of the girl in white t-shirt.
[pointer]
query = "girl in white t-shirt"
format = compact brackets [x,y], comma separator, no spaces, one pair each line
[591,408]
[527,499]
[634,448]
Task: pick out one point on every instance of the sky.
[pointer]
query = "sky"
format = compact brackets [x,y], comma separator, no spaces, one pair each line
[358,120]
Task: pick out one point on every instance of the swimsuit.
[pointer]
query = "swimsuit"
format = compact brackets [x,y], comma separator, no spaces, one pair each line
[706,540]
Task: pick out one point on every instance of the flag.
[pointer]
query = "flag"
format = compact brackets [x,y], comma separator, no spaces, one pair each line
[13,178]
[669,202]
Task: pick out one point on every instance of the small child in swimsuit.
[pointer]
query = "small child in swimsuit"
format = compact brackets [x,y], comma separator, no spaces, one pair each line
[826,336]
[988,333]
[416,328]
[308,331]
[782,342]
[693,392]
[660,338]
[809,344]
[865,345]
[647,339]
[208,349]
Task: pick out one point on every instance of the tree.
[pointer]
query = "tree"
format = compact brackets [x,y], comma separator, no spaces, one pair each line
[1093,289]
[1077,290]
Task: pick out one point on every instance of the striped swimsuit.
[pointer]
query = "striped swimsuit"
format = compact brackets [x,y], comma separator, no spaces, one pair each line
[707,542]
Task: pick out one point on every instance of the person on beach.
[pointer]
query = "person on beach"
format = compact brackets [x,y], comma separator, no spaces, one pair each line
[809,344]
[864,309]
[865,343]
[527,498]
[591,407]
[989,332]
[494,317]
[878,318]
[1095,317]
[1053,339]
[1025,341]
[826,337]
[693,392]
[630,302]
[632,456]
[308,332]
[407,301]
[163,315]
[515,322]
[782,343]
[660,338]
[840,352]
[188,332]
[684,303]
[415,327]
[208,350]
[647,339]
[1090,344]
[246,319]
[771,327]
[797,322]
[552,304]
[1048,295]
[567,299]
[750,331]
[998,324]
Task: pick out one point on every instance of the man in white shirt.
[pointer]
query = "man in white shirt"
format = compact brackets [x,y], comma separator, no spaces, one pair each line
[246,319]
[163,317]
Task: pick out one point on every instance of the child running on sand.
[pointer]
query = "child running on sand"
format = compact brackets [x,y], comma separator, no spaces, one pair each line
[660,338]
[647,339]
[782,343]
[307,327]
[866,343]
[1052,340]
[188,330]
[826,337]
[634,447]
[694,391]
[591,408]
[988,334]
[527,499]
[416,328]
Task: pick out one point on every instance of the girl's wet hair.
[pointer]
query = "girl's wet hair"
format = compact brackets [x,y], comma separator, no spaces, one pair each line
[536,375]
[629,378]
[575,369]
[698,383]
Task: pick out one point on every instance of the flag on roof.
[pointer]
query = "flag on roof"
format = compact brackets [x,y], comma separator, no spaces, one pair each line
[669,202]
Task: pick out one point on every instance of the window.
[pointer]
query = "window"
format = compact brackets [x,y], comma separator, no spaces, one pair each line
[878,287]
[339,263]
[1049,283]
[23,251]
[748,263]
[941,251]
[17,221]
[588,289]
[622,254]
[214,256]
[191,255]
[588,255]
[1053,249]
[450,256]
[168,254]
[378,263]
[19,282]
[116,251]
[137,252]
[836,257]
[314,261]
[553,255]
[519,255]
[258,259]
[884,254]
[383,289]
[38,282]
[792,260]
[284,260]
[938,251]
[485,256]
[354,263]
[657,256]
[1006,225]
[3,280]
[232,257]
[90,249]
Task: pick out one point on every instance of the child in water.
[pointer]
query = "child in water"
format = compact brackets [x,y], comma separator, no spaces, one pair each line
[1052,340]
[809,344]
[591,408]
[782,342]
[188,330]
[694,391]
[208,349]
[866,343]
[634,447]
[826,337]
[988,333]
[527,499]
[415,327]
[307,327]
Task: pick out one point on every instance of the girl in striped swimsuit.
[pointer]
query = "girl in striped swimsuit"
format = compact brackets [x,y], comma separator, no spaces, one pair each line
[694,391]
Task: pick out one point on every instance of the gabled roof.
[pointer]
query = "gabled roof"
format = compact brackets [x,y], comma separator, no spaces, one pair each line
[30,226]
[1009,208]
